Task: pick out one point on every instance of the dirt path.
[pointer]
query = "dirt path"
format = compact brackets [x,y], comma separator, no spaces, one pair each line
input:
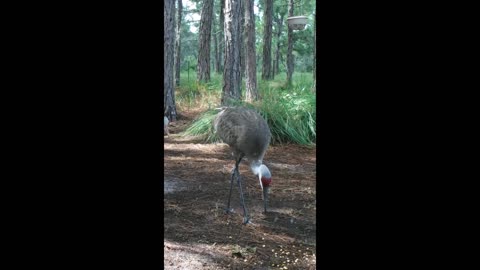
[198,235]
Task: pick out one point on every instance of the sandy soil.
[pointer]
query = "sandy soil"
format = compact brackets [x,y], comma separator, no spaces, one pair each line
[199,235]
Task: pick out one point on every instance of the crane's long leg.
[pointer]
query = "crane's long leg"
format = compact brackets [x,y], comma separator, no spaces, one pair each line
[245,214]
[229,210]
[236,174]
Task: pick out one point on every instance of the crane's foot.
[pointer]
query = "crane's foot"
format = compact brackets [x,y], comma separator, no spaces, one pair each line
[229,211]
[235,173]
[246,221]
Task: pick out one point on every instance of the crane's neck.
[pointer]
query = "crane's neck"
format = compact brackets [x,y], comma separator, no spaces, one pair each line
[263,173]
[255,166]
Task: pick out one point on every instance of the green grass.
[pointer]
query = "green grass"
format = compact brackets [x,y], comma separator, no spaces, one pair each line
[289,111]
[203,126]
[199,95]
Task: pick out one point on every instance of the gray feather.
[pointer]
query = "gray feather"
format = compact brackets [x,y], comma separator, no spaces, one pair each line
[244,130]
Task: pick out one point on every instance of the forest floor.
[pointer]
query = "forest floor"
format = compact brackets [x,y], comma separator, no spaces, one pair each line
[199,235]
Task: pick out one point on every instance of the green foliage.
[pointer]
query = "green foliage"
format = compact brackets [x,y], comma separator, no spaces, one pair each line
[203,126]
[303,40]
[290,112]
[200,95]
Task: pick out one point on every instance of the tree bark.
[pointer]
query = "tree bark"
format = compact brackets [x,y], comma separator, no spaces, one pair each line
[178,42]
[290,64]
[205,31]
[222,33]
[231,72]
[314,54]
[276,65]
[242,38]
[251,65]
[215,46]
[267,41]
[168,40]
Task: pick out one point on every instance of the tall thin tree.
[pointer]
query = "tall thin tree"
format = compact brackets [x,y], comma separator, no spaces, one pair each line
[231,72]
[215,45]
[267,40]
[178,42]
[242,38]
[250,63]
[290,64]
[205,31]
[168,40]
[279,22]
[221,33]
[314,53]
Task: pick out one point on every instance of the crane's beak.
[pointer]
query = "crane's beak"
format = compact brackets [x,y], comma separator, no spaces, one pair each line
[266,190]
[260,180]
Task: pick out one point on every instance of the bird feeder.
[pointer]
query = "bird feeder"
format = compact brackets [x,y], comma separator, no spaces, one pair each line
[297,22]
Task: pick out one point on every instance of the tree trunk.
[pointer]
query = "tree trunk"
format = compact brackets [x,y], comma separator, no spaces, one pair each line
[267,40]
[222,33]
[231,72]
[290,64]
[242,38]
[178,42]
[276,65]
[314,54]
[168,40]
[251,65]
[215,46]
[205,31]
[283,62]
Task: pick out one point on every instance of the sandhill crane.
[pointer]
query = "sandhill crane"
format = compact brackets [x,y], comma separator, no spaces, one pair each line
[248,135]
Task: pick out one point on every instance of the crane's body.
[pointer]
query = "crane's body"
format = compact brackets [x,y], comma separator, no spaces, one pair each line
[245,131]
[248,135]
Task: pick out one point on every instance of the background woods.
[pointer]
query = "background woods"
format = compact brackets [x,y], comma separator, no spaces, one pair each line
[237,39]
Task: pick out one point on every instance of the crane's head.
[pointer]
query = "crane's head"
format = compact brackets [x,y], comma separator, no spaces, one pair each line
[265,176]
